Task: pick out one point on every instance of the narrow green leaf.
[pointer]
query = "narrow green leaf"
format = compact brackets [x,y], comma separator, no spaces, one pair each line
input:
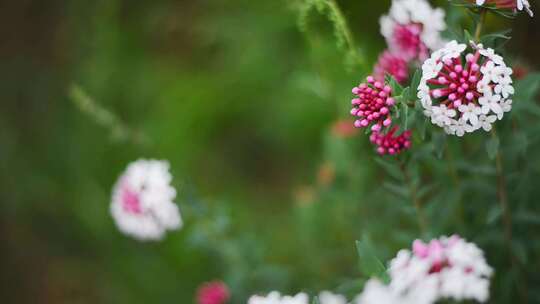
[370,265]
[492,147]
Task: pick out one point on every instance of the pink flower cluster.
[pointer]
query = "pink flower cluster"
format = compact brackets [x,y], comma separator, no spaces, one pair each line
[390,143]
[372,107]
[213,293]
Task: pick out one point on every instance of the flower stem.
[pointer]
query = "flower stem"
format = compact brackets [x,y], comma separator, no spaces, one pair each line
[480,25]
[422,222]
[502,195]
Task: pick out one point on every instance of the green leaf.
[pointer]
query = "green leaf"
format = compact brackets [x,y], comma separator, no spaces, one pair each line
[493,215]
[439,143]
[370,265]
[492,147]
[397,89]
[315,301]
[391,168]
[415,82]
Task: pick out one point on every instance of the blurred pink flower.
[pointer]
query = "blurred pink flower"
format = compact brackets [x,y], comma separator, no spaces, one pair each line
[393,65]
[213,293]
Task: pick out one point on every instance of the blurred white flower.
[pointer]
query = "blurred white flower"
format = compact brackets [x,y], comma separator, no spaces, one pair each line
[142,201]
[275,298]
[412,28]
[445,268]
[327,297]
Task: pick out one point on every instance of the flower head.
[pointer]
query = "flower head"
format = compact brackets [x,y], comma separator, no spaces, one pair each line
[454,268]
[213,293]
[372,105]
[390,143]
[507,4]
[412,28]
[392,64]
[142,201]
[463,92]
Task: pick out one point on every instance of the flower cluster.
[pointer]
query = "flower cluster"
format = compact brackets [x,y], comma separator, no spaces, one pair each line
[464,92]
[390,143]
[445,268]
[508,4]
[372,105]
[275,297]
[213,293]
[142,201]
[412,28]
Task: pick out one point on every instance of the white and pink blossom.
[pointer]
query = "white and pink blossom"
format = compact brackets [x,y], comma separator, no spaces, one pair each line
[462,91]
[142,201]
[412,28]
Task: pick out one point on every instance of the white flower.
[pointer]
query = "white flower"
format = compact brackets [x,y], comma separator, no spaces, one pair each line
[442,116]
[481,86]
[377,293]
[505,87]
[275,298]
[486,122]
[470,113]
[142,201]
[445,268]
[327,297]
[492,104]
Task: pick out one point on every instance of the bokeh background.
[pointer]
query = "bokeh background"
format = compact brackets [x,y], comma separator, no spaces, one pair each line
[244,105]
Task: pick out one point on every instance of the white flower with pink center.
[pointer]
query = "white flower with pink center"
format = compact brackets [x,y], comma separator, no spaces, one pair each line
[142,201]
[452,267]
[461,91]
[412,28]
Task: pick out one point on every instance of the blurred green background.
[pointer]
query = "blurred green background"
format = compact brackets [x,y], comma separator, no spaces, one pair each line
[239,101]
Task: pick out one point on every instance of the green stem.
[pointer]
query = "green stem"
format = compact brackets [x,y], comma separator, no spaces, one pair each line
[480,25]
[422,222]
[502,195]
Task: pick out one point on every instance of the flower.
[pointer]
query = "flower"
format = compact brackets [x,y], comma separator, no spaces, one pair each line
[327,297]
[412,28]
[508,4]
[390,143]
[213,293]
[377,293]
[275,298]
[393,65]
[456,89]
[452,267]
[142,201]
[372,105]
